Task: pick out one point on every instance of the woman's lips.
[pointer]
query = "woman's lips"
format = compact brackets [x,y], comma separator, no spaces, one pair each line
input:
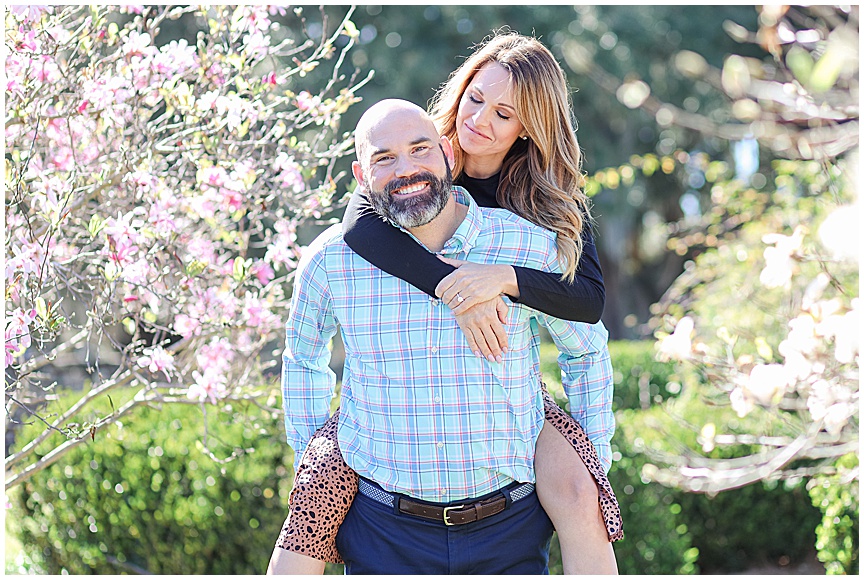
[476,132]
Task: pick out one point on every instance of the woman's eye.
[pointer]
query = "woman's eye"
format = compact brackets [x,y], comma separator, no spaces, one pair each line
[503,116]
[474,100]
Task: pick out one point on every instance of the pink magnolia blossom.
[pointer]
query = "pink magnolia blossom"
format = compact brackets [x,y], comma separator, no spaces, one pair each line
[16,66]
[214,176]
[281,250]
[256,45]
[175,58]
[217,355]
[186,326]
[46,69]
[262,272]
[209,386]
[677,345]
[156,359]
[138,44]
[258,315]
[161,215]
[30,12]
[201,249]
[307,102]
[289,174]
[17,335]
[778,259]
[28,41]
[250,18]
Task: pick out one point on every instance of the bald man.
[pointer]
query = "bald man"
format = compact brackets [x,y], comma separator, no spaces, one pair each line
[443,440]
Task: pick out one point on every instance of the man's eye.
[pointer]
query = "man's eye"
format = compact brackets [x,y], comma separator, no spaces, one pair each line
[383,159]
[421,149]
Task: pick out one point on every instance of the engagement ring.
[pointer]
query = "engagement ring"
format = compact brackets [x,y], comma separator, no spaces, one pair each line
[459,298]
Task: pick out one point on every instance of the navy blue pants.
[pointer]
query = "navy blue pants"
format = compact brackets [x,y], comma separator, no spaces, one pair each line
[374,539]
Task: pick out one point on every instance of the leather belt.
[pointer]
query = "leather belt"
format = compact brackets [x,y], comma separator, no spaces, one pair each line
[451,515]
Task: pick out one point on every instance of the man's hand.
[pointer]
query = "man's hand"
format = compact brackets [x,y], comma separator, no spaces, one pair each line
[471,283]
[483,325]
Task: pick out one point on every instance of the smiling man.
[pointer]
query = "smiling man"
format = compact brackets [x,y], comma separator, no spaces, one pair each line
[443,440]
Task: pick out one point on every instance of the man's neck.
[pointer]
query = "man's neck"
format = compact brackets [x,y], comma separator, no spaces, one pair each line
[436,233]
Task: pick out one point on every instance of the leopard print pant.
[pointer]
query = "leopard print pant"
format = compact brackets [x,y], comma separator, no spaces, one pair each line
[325,486]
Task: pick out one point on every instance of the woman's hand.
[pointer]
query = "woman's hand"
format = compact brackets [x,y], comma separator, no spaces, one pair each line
[483,326]
[471,283]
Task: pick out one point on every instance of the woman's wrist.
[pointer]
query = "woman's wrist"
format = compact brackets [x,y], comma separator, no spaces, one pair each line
[510,284]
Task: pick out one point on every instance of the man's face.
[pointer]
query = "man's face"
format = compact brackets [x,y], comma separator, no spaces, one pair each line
[404,170]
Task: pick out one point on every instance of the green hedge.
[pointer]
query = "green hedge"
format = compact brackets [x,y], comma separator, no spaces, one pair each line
[146,498]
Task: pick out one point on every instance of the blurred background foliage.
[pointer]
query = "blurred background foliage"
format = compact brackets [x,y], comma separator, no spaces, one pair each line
[664,193]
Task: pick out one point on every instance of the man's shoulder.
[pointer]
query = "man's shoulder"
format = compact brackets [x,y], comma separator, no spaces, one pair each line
[327,243]
[505,221]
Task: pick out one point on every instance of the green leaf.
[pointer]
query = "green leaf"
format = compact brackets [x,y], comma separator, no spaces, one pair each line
[239,270]
[800,63]
[41,308]
[195,267]
[95,226]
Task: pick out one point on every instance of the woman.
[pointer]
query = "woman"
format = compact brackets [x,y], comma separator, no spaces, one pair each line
[506,110]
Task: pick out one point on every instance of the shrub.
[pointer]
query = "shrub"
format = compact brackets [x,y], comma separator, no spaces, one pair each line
[145,497]
[838,532]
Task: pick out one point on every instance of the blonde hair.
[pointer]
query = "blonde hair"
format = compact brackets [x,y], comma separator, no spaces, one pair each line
[541,178]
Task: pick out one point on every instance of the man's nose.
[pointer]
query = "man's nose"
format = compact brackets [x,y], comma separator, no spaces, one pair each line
[405,167]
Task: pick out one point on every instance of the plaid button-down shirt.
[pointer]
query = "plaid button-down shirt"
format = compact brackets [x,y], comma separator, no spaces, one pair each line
[421,415]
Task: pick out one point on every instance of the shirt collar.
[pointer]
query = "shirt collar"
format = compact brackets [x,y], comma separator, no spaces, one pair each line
[465,236]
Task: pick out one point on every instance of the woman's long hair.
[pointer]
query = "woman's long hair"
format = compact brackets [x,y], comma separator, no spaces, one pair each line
[541,179]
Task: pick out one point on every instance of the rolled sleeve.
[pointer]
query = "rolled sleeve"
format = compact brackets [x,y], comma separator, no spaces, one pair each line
[586,375]
[307,381]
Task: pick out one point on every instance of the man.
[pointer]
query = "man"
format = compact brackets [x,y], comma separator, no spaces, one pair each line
[443,440]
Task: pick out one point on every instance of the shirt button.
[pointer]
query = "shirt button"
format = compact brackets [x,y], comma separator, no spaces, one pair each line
[440,445]
[437,398]
[444,491]
[434,349]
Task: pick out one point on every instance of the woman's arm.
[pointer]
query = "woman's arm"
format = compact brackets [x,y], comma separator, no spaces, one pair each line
[581,301]
[389,248]
[395,252]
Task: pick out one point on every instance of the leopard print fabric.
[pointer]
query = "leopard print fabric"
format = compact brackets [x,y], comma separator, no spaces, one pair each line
[572,432]
[325,486]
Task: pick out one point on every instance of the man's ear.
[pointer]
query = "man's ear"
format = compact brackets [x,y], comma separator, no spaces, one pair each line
[447,147]
[357,170]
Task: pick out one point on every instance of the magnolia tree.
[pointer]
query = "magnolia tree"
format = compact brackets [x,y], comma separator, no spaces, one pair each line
[153,196]
[765,321]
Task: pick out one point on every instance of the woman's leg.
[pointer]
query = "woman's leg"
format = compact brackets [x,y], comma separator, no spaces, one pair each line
[573,488]
[568,493]
[284,562]
[324,488]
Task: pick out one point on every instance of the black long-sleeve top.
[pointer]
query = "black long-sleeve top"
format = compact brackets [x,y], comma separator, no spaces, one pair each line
[396,253]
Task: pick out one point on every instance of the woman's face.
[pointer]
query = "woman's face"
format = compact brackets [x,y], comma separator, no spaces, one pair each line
[486,121]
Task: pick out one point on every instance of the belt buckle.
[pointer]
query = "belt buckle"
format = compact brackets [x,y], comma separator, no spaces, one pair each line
[447,521]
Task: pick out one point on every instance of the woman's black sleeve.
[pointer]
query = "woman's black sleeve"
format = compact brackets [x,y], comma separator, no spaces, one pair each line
[581,301]
[389,248]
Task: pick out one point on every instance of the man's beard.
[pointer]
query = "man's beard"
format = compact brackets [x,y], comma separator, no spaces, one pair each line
[417,210]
